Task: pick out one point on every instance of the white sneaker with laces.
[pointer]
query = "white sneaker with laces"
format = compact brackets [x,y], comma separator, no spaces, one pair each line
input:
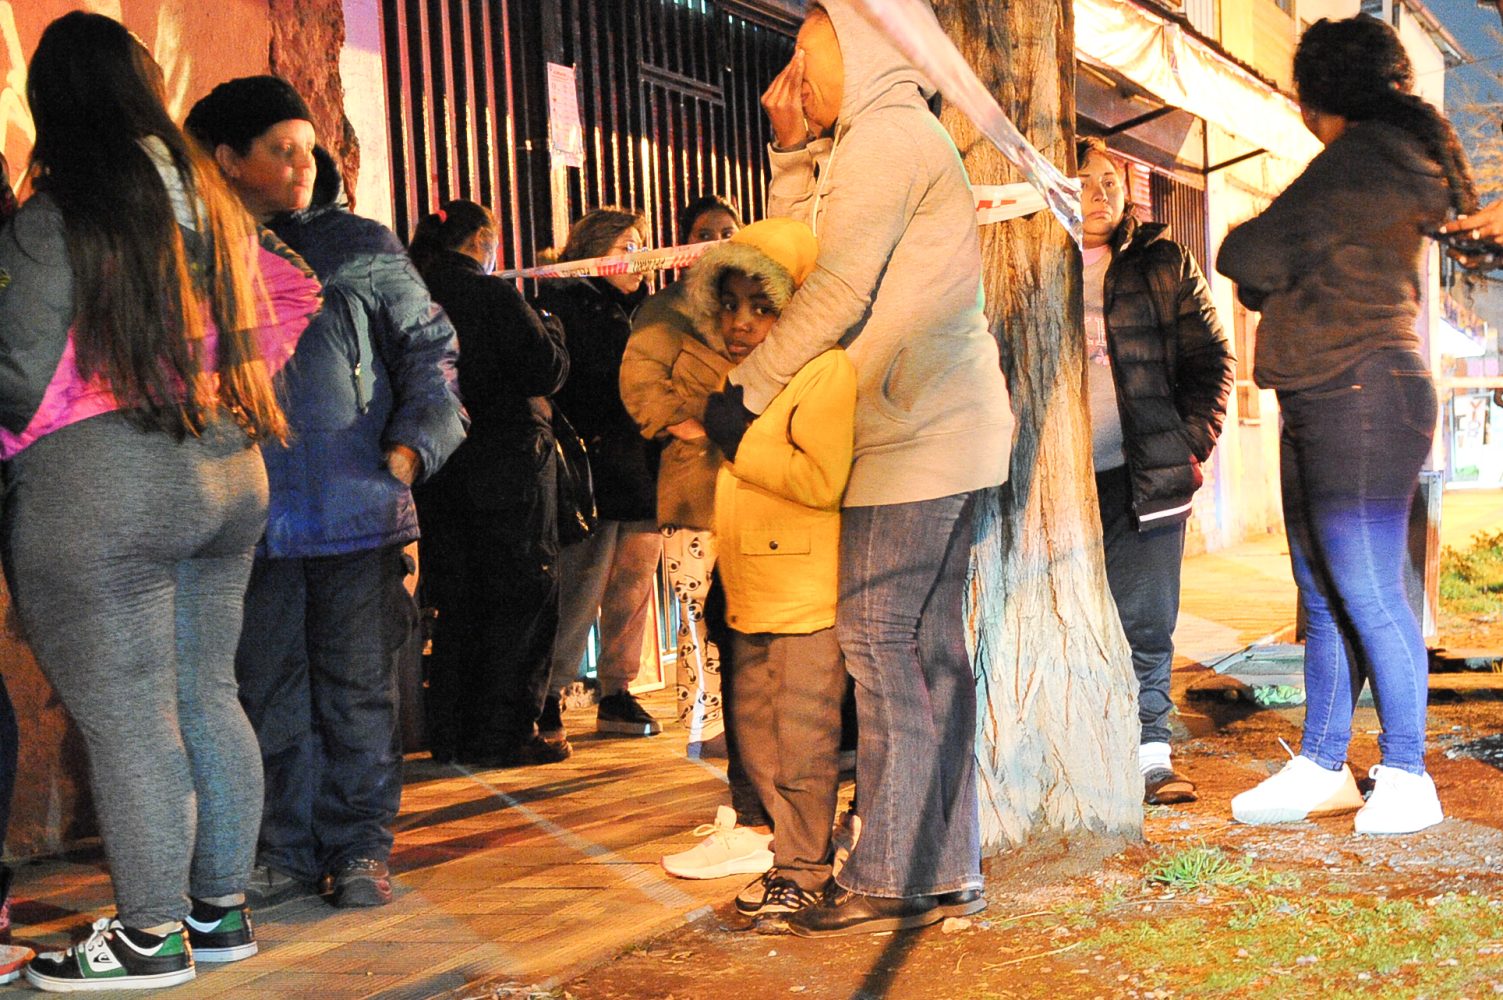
[1400,802]
[727,849]
[1300,789]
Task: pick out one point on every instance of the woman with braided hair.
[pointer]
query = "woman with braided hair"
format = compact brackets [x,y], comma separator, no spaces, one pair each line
[1334,266]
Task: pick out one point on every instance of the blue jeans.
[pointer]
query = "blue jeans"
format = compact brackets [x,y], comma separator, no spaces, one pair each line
[901,628]
[1351,453]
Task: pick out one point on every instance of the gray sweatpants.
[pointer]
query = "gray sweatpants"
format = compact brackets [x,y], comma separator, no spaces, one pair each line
[788,690]
[130,554]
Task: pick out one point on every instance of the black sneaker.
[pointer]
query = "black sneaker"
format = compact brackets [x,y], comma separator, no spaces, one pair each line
[220,933]
[535,751]
[774,894]
[622,713]
[361,882]
[551,722]
[113,957]
[750,899]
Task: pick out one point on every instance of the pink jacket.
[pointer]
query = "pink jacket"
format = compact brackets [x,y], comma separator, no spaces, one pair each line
[292,299]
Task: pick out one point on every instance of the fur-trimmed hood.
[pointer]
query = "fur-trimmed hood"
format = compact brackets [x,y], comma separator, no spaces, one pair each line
[778,253]
[702,298]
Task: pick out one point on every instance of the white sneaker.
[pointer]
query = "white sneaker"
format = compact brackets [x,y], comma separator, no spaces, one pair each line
[1400,802]
[1301,788]
[727,850]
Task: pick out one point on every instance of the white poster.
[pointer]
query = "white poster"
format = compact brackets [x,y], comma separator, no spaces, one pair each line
[565,134]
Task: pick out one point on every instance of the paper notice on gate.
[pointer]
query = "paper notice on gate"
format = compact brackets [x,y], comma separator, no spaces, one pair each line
[565,133]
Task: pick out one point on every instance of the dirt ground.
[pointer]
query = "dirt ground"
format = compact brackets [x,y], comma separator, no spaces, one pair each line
[1333,914]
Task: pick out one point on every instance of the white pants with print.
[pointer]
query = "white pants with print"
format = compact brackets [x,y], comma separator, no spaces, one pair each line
[689,557]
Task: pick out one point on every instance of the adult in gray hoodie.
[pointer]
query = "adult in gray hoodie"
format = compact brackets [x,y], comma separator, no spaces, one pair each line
[898,283]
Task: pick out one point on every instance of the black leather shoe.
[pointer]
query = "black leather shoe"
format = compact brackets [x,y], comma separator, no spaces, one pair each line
[844,912]
[961,903]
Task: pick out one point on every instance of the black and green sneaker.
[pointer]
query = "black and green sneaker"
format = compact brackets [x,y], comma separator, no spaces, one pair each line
[114,957]
[220,933]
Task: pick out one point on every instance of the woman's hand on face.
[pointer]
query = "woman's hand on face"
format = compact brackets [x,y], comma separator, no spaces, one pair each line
[687,430]
[784,104]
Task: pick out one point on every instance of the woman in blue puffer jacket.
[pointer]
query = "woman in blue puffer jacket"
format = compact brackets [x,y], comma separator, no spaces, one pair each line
[371,398]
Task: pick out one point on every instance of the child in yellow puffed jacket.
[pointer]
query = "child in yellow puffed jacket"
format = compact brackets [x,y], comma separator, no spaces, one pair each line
[777,519]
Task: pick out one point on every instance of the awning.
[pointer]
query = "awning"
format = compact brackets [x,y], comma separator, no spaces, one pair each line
[1161,57]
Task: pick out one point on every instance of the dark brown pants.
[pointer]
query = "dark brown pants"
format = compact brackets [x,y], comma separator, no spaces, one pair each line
[787,694]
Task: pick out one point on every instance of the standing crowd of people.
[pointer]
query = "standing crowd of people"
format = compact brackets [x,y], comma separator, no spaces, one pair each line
[229,404]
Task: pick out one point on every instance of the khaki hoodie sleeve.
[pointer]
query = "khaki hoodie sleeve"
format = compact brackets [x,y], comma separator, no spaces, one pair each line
[647,387]
[870,197]
[808,460]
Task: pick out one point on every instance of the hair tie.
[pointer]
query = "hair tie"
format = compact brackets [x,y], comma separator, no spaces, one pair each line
[443,216]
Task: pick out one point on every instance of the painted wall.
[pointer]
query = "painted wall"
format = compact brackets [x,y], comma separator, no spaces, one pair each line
[187,37]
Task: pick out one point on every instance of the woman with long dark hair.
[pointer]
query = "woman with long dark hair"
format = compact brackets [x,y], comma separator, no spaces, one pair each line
[489,516]
[1334,266]
[141,322]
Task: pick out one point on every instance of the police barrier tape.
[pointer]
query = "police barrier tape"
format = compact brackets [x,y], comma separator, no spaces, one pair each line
[994,203]
[912,28]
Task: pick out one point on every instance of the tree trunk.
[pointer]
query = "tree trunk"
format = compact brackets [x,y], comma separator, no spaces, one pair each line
[1058,700]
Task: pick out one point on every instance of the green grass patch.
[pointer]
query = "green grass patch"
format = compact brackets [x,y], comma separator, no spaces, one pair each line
[1471,581]
[1202,867]
[1269,945]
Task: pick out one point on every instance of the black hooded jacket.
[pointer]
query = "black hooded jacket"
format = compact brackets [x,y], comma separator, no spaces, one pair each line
[597,322]
[1172,366]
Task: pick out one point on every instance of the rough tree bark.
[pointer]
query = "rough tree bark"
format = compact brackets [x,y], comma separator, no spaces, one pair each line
[1058,728]
[306,39]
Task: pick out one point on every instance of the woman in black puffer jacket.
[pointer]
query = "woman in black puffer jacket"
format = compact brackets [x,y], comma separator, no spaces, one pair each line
[489,516]
[1159,372]
[613,570]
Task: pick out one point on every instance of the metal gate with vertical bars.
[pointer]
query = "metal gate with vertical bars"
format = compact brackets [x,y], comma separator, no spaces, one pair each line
[669,103]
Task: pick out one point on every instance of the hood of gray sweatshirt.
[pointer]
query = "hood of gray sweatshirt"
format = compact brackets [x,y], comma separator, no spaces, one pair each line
[897,283]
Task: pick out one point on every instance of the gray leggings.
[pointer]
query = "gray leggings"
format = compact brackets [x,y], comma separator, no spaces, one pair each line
[129,554]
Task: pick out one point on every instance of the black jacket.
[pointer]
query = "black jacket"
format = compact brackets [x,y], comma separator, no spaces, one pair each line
[1334,263]
[597,323]
[509,363]
[1172,366]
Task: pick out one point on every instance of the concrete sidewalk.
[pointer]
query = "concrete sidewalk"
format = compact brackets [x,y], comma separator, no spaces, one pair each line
[536,874]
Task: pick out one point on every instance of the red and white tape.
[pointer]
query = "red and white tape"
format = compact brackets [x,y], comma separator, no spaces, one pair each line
[994,203]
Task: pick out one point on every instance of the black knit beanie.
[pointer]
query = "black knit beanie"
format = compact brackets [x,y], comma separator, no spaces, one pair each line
[237,111]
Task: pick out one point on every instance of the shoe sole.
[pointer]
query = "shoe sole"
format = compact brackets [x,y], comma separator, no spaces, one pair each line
[961,909]
[628,728]
[51,984]
[231,954]
[913,921]
[1265,817]
[360,900]
[747,864]
[1418,824]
